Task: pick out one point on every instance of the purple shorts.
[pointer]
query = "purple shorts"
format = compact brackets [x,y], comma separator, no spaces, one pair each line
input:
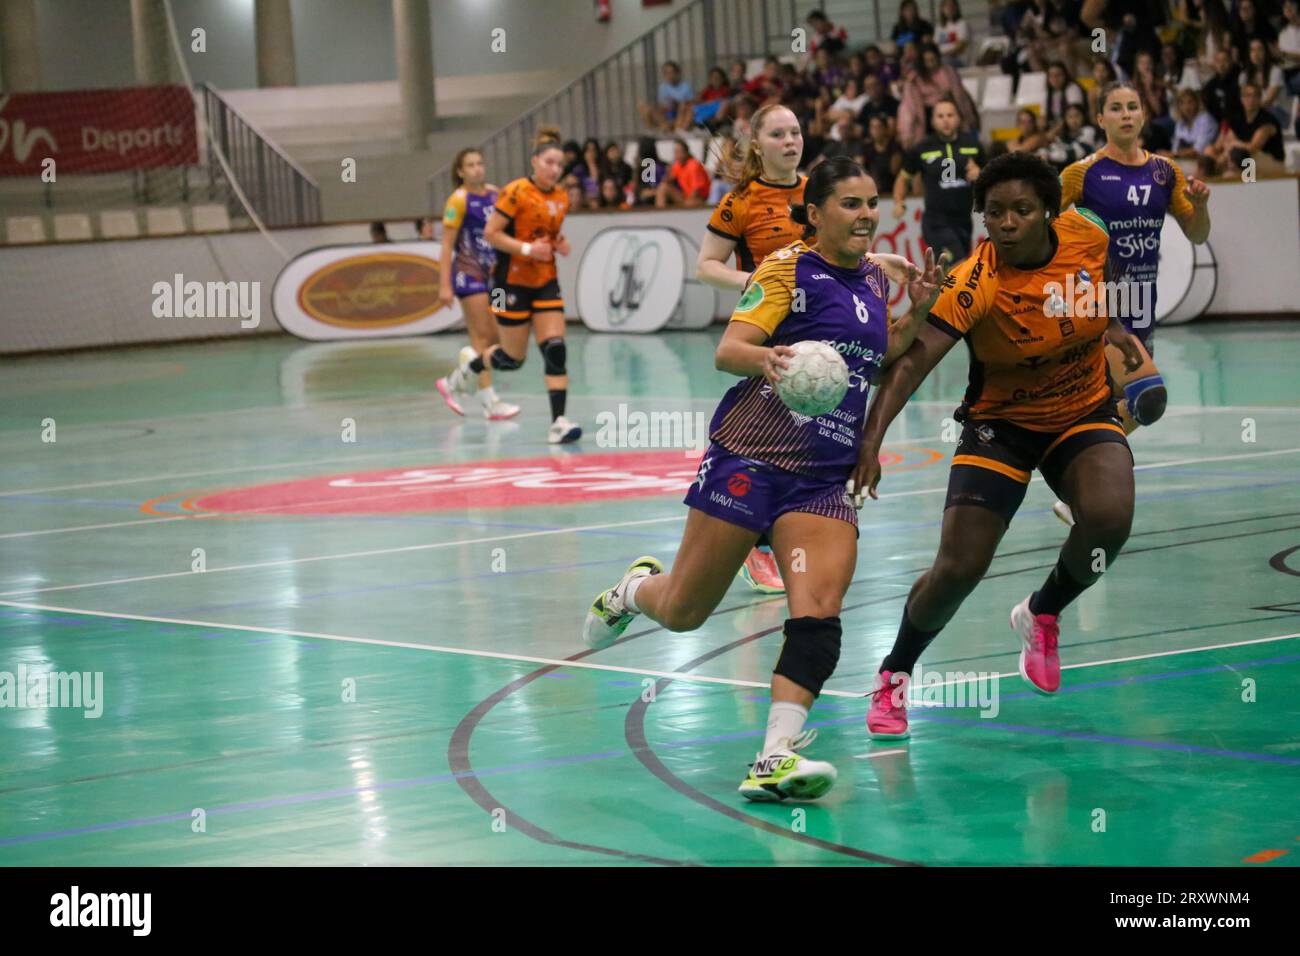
[465,285]
[753,494]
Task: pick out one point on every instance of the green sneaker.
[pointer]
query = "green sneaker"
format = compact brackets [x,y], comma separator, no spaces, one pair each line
[608,617]
[785,775]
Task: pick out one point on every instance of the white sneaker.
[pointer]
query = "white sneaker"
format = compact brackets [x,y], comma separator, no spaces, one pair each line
[494,409]
[785,775]
[456,384]
[608,616]
[1062,511]
[563,431]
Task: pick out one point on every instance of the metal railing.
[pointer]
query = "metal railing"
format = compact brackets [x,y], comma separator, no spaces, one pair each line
[280,191]
[605,101]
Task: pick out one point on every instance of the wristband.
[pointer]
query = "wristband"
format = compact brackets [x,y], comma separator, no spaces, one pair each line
[527,250]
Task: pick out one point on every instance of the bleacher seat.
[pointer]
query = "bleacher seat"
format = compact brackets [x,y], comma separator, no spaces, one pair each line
[211,217]
[973,86]
[997,93]
[1293,156]
[1032,90]
[72,227]
[25,229]
[163,221]
[119,224]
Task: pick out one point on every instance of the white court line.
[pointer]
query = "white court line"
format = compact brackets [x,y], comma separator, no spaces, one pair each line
[535,534]
[583,665]
[879,753]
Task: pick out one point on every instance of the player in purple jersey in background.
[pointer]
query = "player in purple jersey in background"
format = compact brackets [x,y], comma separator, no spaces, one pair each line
[1132,190]
[466,271]
[771,470]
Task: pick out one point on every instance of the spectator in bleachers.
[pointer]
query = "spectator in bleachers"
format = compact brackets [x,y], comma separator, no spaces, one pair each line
[1222,91]
[879,101]
[674,94]
[882,157]
[1032,136]
[379,232]
[592,168]
[687,182]
[1247,24]
[649,173]
[742,110]
[616,166]
[1176,72]
[826,35]
[713,97]
[1217,34]
[910,27]
[1151,91]
[1267,75]
[766,86]
[1134,24]
[849,102]
[573,188]
[424,227]
[845,139]
[572,157]
[952,35]
[1062,90]
[1194,128]
[1072,139]
[612,195]
[876,64]
[825,73]
[1189,24]
[1102,74]
[1252,132]
[928,84]
[1288,43]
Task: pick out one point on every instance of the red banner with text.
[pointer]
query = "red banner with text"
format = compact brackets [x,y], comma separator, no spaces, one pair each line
[97,131]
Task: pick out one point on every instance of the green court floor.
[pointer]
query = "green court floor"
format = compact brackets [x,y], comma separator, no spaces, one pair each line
[334,624]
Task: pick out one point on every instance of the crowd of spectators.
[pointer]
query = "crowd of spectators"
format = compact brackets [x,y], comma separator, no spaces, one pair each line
[1217,81]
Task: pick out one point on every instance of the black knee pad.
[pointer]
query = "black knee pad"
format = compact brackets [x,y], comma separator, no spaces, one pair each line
[810,652]
[503,361]
[554,356]
[1147,404]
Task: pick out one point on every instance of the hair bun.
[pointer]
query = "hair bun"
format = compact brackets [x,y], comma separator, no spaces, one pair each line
[799,213]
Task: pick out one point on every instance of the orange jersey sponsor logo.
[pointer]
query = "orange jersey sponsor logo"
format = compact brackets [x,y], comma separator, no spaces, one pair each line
[1036,359]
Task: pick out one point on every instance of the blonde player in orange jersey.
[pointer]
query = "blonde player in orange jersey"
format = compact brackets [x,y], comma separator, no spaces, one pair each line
[750,222]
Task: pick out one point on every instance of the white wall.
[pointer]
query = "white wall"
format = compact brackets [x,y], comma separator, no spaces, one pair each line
[87,43]
[100,293]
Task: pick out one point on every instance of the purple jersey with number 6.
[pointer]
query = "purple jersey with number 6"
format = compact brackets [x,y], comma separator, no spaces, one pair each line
[796,295]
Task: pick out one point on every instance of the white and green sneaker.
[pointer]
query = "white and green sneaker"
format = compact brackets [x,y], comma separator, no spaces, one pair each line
[609,617]
[785,775]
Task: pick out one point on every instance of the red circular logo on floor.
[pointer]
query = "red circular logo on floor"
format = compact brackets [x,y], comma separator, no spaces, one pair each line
[738,485]
[484,484]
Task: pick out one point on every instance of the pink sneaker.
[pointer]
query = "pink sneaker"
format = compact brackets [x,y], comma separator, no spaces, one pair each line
[448,392]
[761,573]
[887,718]
[1040,663]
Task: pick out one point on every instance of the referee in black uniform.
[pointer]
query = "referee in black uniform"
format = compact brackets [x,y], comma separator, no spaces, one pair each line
[948,161]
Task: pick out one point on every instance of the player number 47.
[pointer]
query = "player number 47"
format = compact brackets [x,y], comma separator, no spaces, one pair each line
[1133,195]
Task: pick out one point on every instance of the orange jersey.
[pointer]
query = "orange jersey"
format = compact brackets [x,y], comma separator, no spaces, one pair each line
[533,215]
[1036,338]
[757,219]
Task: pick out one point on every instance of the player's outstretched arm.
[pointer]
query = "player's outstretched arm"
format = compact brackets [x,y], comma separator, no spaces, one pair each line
[742,352]
[923,287]
[903,378]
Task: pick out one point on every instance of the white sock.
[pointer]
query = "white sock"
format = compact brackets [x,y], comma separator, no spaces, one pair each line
[487,396]
[629,593]
[784,720]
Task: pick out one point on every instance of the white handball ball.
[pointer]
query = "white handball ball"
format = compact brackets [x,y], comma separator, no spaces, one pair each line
[816,380]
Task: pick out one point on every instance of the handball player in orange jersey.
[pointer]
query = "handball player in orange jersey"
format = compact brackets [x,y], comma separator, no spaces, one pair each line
[1039,397]
[524,229]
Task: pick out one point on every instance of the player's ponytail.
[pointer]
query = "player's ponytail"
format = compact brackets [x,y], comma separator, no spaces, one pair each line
[547,136]
[820,187]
